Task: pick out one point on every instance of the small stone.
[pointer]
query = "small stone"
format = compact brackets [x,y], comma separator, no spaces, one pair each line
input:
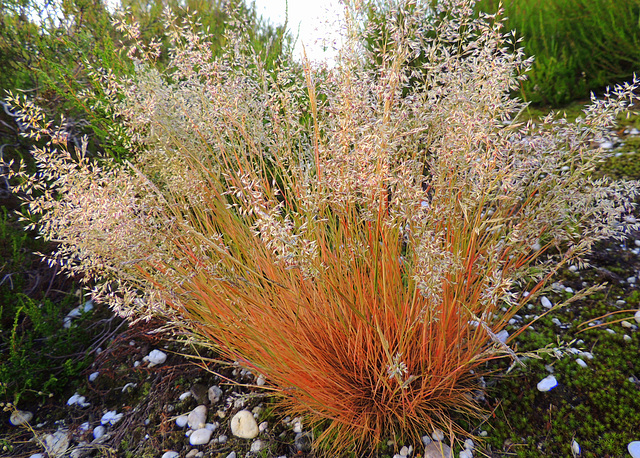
[214,393]
[231,455]
[99,432]
[546,303]
[302,442]
[573,268]
[93,376]
[575,448]
[547,383]
[37,455]
[184,396]
[297,425]
[192,453]
[57,443]
[260,381]
[200,436]
[197,418]
[20,417]
[257,446]
[262,427]
[200,393]
[581,363]
[586,354]
[483,433]
[222,439]
[437,435]
[606,145]
[405,451]
[627,338]
[156,357]
[426,439]
[212,426]
[469,445]
[243,425]
[437,450]
[634,449]
[182,421]
[466,453]
[637,317]
[503,336]
[631,280]
[111,417]
[170,454]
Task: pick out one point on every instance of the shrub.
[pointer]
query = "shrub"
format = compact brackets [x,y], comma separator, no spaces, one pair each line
[358,235]
[579,45]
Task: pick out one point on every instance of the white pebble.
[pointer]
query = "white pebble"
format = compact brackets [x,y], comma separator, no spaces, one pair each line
[156,357]
[405,451]
[262,427]
[631,280]
[556,321]
[93,376]
[437,435]
[575,448]
[200,436]
[637,317]
[297,425]
[606,145]
[469,445]
[573,268]
[426,440]
[214,394]
[243,425]
[466,453]
[586,354]
[627,338]
[197,417]
[222,439]
[503,336]
[581,363]
[257,446]
[111,417]
[185,395]
[546,303]
[212,426]
[634,449]
[20,417]
[99,432]
[231,455]
[547,383]
[37,455]
[483,433]
[260,381]
[170,454]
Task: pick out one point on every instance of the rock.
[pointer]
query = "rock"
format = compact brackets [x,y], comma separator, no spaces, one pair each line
[184,396]
[170,454]
[547,383]
[503,336]
[222,439]
[469,445]
[581,363]
[437,450]
[156,357]
[261,380]
[575,448]
[627,338]
[546,303]
[257,446]
[37,455]
[197,418]
[20,417]
[192,453]
[182,421]
[466,453]
[231,455]
[99,432]
[212,426]
[111,417]
[76,399]
[82,450]
[214,393]
[57,443]
[437,435]
[302,442]
[243,425]
[634,449]
[406,451]
[199,392]
[200,436]
[297,425]
[262,427]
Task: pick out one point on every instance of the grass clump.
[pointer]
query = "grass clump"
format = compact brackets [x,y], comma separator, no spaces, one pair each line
[357,235]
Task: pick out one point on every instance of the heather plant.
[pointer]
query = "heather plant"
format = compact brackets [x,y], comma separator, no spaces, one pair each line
[360,235]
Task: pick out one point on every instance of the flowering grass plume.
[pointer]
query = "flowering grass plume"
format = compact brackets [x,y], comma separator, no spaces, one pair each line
[359,234]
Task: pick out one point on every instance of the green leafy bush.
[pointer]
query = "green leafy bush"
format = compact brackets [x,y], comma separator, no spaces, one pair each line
[579,45]
[358,234]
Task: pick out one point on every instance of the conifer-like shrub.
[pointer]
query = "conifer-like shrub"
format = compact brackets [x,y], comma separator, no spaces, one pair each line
[360,235]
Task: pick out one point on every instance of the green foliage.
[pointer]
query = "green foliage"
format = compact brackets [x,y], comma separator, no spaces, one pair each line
[579,45]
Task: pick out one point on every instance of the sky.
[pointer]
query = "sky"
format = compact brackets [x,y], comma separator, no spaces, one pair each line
[310,21]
